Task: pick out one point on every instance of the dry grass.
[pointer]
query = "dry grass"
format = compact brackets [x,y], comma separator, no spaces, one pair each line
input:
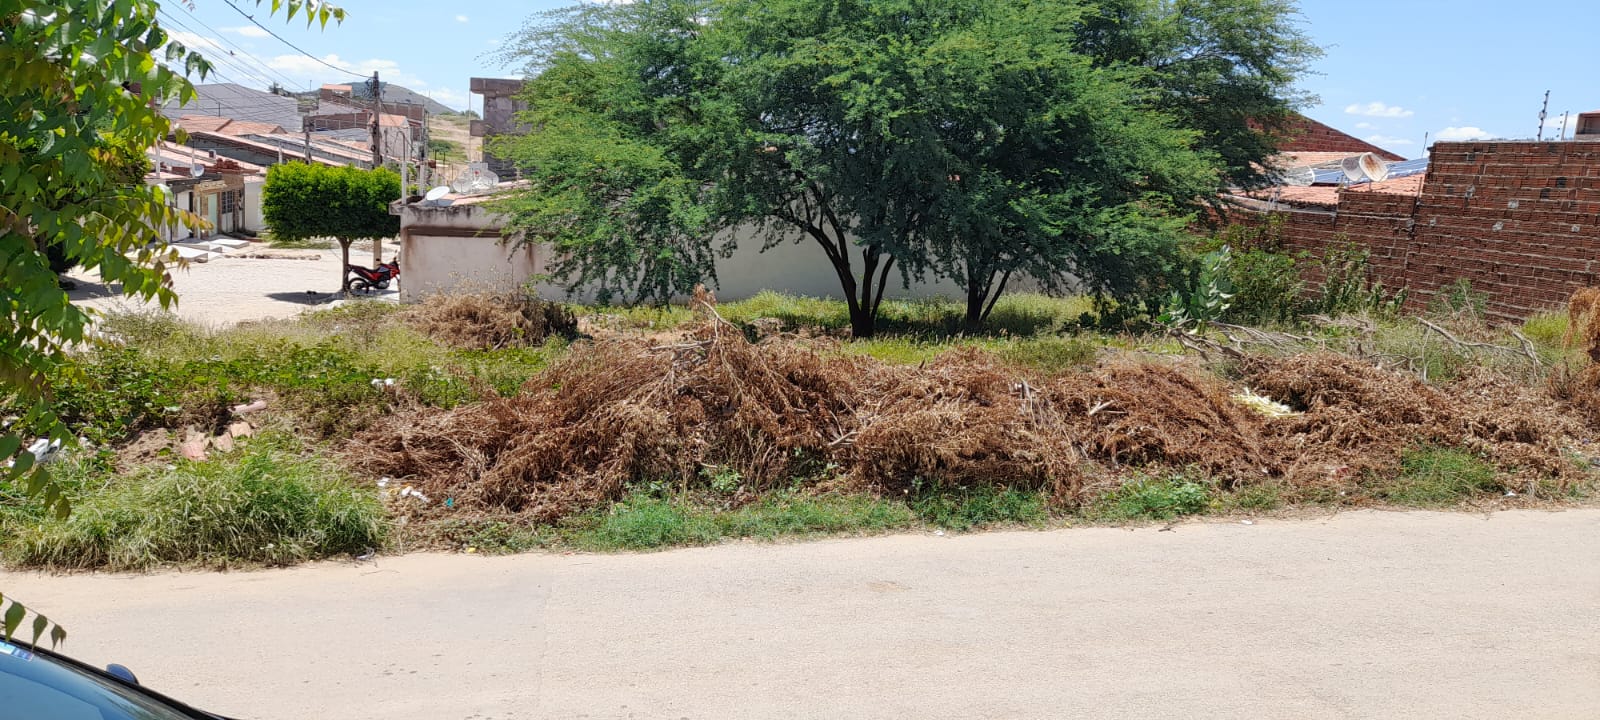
[710,404]
[487,321]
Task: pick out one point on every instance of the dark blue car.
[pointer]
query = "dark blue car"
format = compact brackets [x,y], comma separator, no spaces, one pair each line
[37,684]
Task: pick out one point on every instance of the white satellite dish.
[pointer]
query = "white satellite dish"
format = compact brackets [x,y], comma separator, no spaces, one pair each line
[477,178]
[436,194]
[1352,169]
[1373,167]
[196,170]
[1298,176]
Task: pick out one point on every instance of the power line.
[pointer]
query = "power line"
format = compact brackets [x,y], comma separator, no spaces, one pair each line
[269,31]
[222,37]
[225,58]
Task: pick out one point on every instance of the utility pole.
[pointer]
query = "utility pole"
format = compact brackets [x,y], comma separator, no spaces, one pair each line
[377,152]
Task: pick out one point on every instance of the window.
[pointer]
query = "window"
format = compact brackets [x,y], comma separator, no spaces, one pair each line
[228,201]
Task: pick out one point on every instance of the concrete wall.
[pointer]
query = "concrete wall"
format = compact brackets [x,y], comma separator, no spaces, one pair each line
[254,223]
[458,248]
[1518,220]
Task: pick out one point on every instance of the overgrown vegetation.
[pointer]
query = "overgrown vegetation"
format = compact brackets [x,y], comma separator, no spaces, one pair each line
[655,427]
[267,504]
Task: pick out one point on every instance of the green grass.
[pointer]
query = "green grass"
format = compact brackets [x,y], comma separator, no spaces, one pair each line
[1155,499]
[1015,314]
[320,367]
[981,506]
[265,503]
[1437,477]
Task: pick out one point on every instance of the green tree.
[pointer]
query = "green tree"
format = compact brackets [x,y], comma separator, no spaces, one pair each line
[79,84]
[1224,68]
[303,201]
[973,139]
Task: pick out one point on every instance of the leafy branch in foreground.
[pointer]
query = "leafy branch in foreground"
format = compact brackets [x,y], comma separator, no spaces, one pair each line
[80,81]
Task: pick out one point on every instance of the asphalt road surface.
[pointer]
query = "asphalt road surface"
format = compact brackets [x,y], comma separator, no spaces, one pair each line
[1359,615]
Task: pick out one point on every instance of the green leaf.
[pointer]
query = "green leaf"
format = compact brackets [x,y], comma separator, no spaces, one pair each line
[9,444]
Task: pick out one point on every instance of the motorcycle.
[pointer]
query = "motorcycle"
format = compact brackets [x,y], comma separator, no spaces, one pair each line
[362,279]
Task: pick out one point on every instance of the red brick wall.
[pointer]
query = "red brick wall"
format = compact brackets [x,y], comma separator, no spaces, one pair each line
[1519,220]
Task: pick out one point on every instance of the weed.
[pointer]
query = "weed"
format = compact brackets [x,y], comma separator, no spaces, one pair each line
[787,514]
[641,522]
[1051,355]
[965,508]
[1434,476]
[264,503]
[1157,499]
[1256,498]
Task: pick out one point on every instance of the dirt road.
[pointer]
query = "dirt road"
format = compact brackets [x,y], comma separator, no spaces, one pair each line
[1377,615]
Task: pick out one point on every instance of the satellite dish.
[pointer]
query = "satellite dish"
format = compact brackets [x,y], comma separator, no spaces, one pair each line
[435,194]
[196,170]
[1352,169]
[1373,167]
[1298,176]
[475,179]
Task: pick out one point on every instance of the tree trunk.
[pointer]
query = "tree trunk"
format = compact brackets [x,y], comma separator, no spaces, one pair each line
[972,322]
[344,270]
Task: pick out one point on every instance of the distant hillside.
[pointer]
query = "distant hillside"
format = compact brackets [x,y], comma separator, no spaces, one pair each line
[393,93]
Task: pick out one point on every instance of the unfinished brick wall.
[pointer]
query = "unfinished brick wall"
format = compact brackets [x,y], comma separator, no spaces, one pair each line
[1519,220]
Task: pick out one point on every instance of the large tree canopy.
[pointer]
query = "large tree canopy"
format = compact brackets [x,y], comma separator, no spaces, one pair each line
[79,84]
[969,139]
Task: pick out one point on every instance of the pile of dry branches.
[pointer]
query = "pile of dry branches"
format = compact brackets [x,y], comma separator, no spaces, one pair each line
[623,410]
[487,321]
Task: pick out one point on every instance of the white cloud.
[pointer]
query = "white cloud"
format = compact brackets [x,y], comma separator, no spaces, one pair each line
[461,18]
[1378,109]
[250,31]
[312,72]
[1386,141]
[1365,126]
[453,98]
[1461,133]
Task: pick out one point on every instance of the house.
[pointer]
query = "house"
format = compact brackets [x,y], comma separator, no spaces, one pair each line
[226,193]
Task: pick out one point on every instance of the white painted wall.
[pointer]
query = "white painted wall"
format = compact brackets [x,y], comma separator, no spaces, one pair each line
[441,260]
[253,221]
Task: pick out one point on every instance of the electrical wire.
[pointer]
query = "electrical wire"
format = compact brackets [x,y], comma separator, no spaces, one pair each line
[239,50]
[296,48]
[225,58]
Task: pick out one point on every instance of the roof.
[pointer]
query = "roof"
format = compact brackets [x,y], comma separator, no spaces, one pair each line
[1302,134]
[226,125]
[337,87]
[293,146]
[1408,185]
[274,144]
[1312,159]
[238,102]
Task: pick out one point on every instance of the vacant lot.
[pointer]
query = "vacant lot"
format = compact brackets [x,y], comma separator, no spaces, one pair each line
[500,424]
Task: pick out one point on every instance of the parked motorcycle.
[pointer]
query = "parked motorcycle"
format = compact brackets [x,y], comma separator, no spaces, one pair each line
[363,279]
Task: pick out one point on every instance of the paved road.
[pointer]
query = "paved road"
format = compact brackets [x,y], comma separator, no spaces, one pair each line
[1374,615]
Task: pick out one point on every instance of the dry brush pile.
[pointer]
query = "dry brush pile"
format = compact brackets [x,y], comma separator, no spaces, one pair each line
[620,410]
[491,321]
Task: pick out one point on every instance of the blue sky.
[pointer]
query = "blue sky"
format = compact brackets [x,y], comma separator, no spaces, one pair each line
[1394,70]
